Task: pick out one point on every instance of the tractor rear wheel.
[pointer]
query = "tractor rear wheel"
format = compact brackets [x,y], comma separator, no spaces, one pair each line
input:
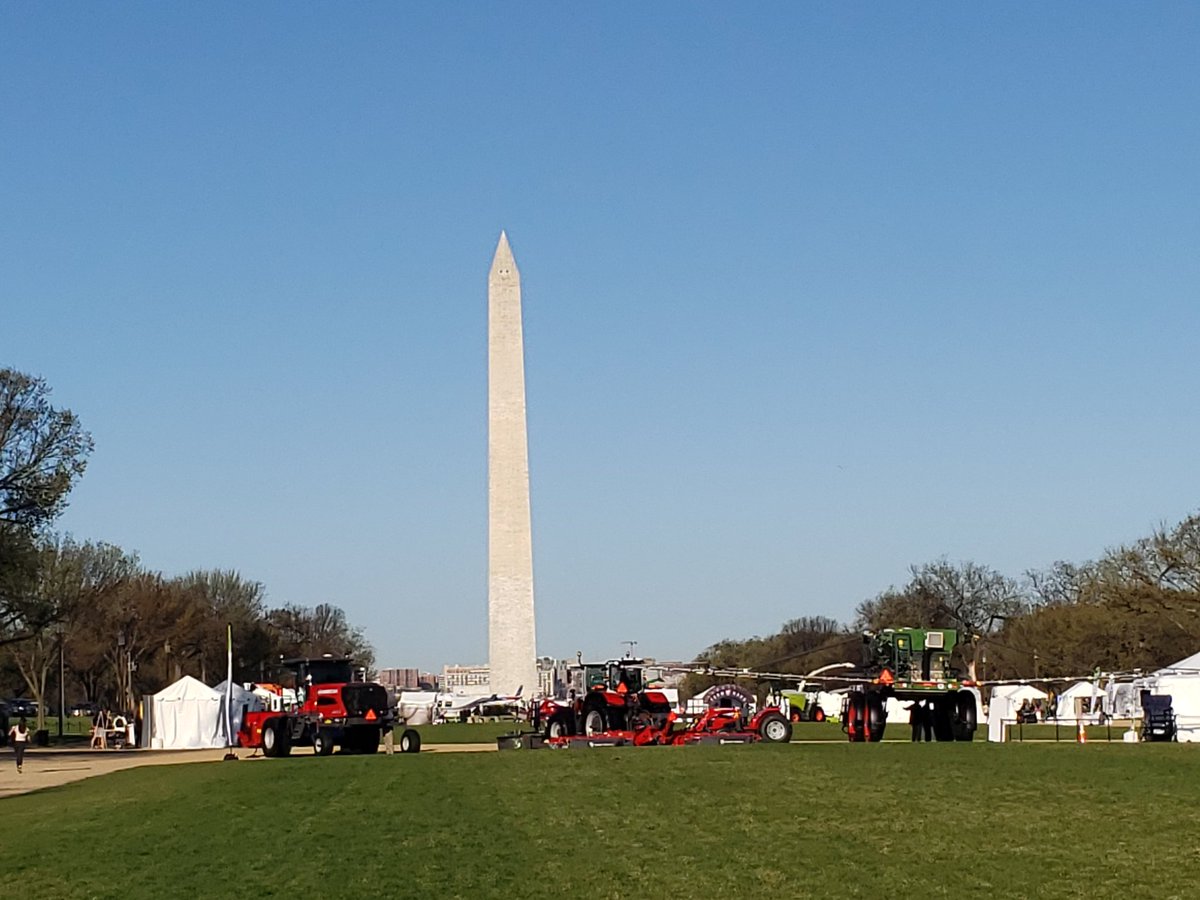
[856,719]
[943,719]
[410,741]
[594,722]
[967,719]
[774,728]
[322,742]
[363,739]
[875,718]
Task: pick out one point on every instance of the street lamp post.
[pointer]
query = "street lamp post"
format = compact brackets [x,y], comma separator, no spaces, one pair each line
[62,679]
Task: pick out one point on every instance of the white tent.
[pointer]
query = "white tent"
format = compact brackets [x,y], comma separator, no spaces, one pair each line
[1006,700]
[187,715]
[242,701]
[417,707]
[1182,681]
[1082,701]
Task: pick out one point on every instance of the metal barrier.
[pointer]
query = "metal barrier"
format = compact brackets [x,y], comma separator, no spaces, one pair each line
[1066,730]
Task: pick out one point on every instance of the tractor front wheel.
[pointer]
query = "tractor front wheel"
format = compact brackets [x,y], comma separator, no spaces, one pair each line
[774,728]
[410,741]
[593,722]
[322,743]
[270,740]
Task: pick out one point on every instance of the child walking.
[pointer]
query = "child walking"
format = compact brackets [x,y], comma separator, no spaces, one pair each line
[18,735]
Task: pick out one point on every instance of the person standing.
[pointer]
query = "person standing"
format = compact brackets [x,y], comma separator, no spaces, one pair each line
[914,719]
[18,736]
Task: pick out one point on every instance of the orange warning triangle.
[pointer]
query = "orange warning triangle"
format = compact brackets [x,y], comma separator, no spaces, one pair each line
[370,717]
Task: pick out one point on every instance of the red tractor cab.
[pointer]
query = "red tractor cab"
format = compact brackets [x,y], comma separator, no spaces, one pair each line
[334,707]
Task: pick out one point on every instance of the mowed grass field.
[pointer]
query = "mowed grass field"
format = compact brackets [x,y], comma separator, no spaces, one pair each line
[821,820]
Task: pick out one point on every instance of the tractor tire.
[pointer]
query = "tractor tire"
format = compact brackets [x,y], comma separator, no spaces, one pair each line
[967,717]
[856,718]
[796,717]
[365,740]
[410,741]
[875,719]
[322,742]
[559,726]
[270,739]
[774,728]
[818,714]
[594,722]
[943,719]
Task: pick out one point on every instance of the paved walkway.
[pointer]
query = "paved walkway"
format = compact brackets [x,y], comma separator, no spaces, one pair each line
[46,768]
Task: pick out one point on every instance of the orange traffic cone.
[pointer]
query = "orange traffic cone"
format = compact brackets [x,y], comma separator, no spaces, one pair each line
[1081,737]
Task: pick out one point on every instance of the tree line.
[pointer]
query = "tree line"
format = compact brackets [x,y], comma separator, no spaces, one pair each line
[1136,607]
[90,610]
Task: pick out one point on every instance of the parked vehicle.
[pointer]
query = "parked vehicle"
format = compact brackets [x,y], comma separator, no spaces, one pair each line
[334,709]
[19,706]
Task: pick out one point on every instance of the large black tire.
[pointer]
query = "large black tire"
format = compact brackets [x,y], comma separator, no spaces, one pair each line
[943,718]
[270,739]
[365,739]
[774,728]
[410,741]
[875,719]
[967,716]
[856,710]
[322,742]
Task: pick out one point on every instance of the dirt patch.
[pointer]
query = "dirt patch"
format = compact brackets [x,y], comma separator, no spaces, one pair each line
[45,768]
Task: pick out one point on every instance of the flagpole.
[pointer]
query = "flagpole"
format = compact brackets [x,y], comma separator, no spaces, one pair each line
[229,684]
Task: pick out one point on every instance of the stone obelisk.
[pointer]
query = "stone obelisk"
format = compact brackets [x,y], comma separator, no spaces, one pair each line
[512,654]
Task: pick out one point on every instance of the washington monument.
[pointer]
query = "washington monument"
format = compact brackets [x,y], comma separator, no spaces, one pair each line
[512,653]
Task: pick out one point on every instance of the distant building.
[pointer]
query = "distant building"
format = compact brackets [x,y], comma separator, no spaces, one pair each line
[407,680]
[466,680]
[552,677]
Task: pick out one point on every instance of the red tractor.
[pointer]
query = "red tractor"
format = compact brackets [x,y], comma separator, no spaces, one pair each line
[729,719]
[611,696]
[334,709]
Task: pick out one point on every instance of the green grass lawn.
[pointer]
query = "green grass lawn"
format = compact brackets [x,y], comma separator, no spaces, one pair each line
[896,820]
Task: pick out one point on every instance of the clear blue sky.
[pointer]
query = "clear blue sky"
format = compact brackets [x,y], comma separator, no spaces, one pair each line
[812,293]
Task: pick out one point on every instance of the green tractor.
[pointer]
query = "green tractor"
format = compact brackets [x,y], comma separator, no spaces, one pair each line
[914,665]
[803,705]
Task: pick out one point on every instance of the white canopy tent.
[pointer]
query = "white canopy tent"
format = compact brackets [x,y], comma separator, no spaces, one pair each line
[1081,702]
[1182,681]
[417,707]
[1006,700]
[187,715]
